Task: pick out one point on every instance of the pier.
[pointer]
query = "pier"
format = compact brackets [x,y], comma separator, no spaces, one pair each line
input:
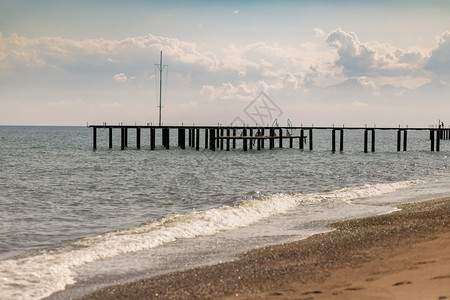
[225,137]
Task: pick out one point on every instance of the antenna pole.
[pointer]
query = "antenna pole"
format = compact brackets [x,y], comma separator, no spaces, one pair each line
[161,69]
[160,87]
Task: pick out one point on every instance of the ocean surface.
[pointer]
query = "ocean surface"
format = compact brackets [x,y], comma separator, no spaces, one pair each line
[73,220]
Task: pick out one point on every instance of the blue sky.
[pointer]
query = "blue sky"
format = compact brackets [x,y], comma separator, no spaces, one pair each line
[322,62]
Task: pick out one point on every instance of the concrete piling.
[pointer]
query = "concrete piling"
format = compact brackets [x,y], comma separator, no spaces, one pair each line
[94,140]
[197,139]
[152,138]
[110,138]
[138,138]
[212,139]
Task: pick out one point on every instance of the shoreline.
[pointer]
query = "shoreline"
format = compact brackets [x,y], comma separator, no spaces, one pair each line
[361,257]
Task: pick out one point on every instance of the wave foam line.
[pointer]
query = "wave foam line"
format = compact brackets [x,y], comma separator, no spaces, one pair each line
[41,275]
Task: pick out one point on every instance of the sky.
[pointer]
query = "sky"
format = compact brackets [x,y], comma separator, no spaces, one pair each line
[322,63]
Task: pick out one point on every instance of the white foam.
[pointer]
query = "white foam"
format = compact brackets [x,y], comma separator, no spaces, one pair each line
[41,275]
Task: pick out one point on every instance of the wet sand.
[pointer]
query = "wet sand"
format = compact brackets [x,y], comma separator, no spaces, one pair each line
[402,255]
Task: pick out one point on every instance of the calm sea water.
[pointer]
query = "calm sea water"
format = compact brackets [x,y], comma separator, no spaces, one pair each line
[73,220]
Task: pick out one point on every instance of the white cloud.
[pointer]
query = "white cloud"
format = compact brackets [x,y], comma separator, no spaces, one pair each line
[121,77]
[235,12]
[439,61]
[62,53]
[238,71]
[271,62]
[372,59]
[340,68]
[290,80]
[366,82]
[318,32]
[356,58]
[208,92]
[229,91]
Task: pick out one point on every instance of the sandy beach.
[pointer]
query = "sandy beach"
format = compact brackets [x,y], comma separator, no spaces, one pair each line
[402,255]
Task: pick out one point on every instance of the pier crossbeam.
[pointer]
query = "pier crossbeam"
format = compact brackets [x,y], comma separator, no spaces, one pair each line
[258,137]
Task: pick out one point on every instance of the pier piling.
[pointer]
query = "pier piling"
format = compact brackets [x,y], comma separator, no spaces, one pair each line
[212,139]
[262,141]
[432,139]
[166,137]
[197,140]
[110,138]
[341,140]
[271,140]
[399,139]
[221,140]
[194,138]
[190,137]
[94,140]
[244,141]
[258,147]
[302,138]
[217,134]
[182,138]
[228,140]
[280,143]
[152,138]
[333,140]
[405,139]
[373,140]
[438,142]
[122,138]
[366,138]
[138,138]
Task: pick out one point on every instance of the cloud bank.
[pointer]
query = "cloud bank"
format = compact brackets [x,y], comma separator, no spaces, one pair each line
[335,68]
[439,60]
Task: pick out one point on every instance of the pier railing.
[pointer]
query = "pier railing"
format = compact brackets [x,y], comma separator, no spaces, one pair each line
[225,137]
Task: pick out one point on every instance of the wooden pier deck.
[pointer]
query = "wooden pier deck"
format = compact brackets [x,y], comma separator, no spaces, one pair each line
[225,137]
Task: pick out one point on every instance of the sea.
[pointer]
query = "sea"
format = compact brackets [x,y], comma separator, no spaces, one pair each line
[73,220]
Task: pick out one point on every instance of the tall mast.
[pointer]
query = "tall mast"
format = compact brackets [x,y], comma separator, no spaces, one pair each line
[160,87]
[161,68]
